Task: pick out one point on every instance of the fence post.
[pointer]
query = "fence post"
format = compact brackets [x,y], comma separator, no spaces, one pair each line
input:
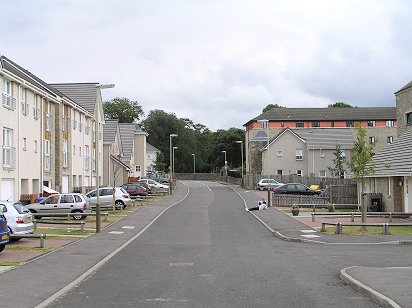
[42,236]
[323,229]
[313,217]
[385,228]
[338,228]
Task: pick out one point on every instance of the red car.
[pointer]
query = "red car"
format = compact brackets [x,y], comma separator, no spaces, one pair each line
[135,189]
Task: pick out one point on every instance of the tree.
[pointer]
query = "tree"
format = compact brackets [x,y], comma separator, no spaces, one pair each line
[340,105]
[123,109]
[271,106]
[361,163]
[338,162]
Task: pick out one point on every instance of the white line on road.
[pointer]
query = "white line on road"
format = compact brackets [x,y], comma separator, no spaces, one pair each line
[116,232]
[180,264]
[128,227]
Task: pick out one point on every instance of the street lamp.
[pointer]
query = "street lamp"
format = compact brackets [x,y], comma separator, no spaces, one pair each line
[241,154]
[265,124]
[224,152]
[173,160]
[194,163]
[170,157]
[97,134]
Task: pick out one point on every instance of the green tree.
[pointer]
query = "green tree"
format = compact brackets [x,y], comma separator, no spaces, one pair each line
[271,106]
[338,170]
[361,163]
[123,109]
[340,105]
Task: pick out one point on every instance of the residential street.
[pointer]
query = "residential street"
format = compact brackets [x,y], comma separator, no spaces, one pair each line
[209,252]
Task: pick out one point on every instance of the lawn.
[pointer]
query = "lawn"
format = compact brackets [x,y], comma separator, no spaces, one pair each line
[356,230]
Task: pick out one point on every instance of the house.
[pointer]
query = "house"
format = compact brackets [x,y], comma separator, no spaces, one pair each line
[393,165]
[380,123]
[305,152]
[134,148]
[151,156]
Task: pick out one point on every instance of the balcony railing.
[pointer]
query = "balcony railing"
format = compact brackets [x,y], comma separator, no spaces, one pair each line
[9,158]
[8,101]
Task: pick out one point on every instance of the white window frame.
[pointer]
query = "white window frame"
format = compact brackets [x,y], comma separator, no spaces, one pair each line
[86,158]
[7,97]
[74,149]
[299,172]
[65,153]
[299,154]
[372,140]
[389,139]
[390,123]
[371,123]
[23,101]
[137,168]
[47,162]
[7,147]
[94,159]
[279,153]
[35,108]
[47,116]
[322,154]
[322,173]
[24,144]
[35,146]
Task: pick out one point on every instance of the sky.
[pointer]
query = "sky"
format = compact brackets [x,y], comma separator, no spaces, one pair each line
[217,62]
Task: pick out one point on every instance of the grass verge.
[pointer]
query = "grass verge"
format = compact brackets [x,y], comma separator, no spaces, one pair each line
[355,230]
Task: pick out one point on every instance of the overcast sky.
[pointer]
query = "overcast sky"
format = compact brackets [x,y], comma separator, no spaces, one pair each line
[217,62]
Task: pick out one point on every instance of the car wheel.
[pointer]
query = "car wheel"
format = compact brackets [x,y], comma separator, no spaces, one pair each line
[14,239]
[119,205]
[77,217]
[2,247]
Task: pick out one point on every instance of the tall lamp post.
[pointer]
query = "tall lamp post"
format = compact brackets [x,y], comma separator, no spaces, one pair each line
[194,163]
[173,160]
[97,135]
[170,162]
[241,154]
[265,124]
[225,167]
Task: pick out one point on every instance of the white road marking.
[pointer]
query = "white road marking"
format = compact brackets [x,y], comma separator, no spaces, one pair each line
[180,264]
[310,235]
[308,231]
[209,188]
[116,232]
[128,227]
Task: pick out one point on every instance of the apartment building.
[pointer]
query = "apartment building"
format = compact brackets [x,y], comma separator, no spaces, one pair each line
[380,123]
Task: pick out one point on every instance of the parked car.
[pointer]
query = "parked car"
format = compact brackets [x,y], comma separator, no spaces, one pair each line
[145,185]
[134,189]
[159,176]
[296,189]
[62,203]
[4,232]
[154,184]
[121,197]
[19,218]
[268,184]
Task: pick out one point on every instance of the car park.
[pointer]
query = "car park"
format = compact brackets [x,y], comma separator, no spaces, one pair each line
[4,232]
[265,184]
[19,218]
[145,185]
[121,198]
[62,203]
[134,189]
[296,189]
[154,184]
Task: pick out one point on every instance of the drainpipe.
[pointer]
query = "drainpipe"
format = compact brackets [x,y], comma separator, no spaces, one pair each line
[18,143]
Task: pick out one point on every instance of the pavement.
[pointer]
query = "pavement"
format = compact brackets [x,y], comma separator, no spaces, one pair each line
[389,287]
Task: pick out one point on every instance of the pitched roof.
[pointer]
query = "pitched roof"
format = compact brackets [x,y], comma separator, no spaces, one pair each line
[19,71]
[327,138]
[151,148]
[327,114]
[83,94]
[396,158]
[127,131]
[109,131]
[404,87]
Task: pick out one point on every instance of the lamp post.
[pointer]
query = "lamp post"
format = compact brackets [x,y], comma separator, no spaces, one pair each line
[97,134]
[224,152]
[173,160]
[170,162]
[194,163]
[241,155]
[265,124]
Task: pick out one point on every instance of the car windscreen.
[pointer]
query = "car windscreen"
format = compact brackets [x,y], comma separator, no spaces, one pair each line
[20,208]
[122,190]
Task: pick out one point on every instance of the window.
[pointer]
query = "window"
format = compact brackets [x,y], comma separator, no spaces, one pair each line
[322,154]
[299,154]
[94,159]
[299,172]
[66,199]
[409,118]
[332,124]
[282,124]
[35,108]
[24,144]
[80,123]
[7,96]
[372,140]
[300,124]
[322,173]
[315,124]
[7,148]
[47,116]
[264,124]
[350,124]
[279,153]
[371,123]
[342,154]
[65,156]
[46,155]
[86,157]
[390,139]
[74,120]
[23,100]
[389,123]
[74,149]
[279,172]
[35,146]
[87,129]
[80,151]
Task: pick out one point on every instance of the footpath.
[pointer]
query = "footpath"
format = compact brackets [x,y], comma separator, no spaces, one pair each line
[389,287]
[44,279]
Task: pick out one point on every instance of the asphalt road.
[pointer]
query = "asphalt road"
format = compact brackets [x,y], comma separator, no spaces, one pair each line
[209,252]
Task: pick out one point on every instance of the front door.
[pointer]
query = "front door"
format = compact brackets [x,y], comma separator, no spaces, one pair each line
[7,189]
[65,184]
[406,197]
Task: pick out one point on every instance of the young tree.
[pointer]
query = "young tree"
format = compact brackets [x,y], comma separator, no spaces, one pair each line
[123,109]
[271,106]
[338,170]
[340,105]
[361,163]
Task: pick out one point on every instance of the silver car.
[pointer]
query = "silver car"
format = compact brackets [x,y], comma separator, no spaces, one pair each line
[62,203]
[19,219]
[121,197]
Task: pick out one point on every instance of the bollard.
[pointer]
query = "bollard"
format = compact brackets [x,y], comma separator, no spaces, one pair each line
[323,229]
[352,217]
[42,236]
[385,228]
[338,228]
[313,217]
[82,227]
[390,216]
[34,224]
